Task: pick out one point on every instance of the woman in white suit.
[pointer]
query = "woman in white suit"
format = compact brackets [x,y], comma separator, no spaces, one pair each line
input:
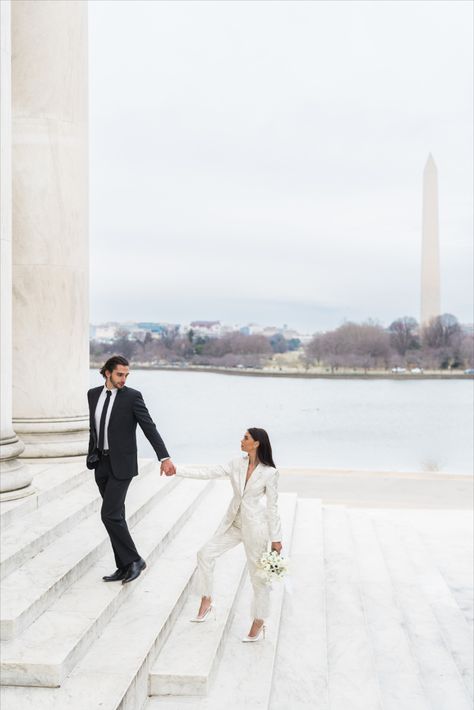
[252,518]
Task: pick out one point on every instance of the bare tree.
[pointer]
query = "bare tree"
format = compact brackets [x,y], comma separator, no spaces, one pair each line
[169,335]
[122,345]
[467,350]
[442,331]
[278,343]
[403,334]
[237,343]
[352,345]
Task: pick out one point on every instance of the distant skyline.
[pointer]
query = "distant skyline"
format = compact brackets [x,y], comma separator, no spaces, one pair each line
[263,161]
[283,327]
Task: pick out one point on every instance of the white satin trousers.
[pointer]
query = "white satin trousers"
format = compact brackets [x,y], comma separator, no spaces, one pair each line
[254,546]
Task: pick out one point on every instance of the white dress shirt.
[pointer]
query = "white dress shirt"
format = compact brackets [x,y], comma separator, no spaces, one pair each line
[98,413]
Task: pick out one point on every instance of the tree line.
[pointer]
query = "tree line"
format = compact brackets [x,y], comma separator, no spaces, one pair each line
[441,345]
[229,350]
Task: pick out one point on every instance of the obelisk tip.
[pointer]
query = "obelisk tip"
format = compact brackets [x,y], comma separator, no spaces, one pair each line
[430,163]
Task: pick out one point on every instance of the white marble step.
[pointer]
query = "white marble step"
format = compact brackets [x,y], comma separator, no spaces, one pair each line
[440,677]
[49,482]
[25,537]
[30,533]
[48,650]
[245,673]
[397,670]
[450,546]
[300,678]
[190,656]
[114,672]
[29,590]
[455,629]
[351,663]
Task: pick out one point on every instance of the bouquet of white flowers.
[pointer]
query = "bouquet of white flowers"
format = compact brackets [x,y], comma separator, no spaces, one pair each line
[272,566]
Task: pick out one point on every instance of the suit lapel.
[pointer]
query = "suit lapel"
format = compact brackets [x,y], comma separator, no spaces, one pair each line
[255,474]
[94,400]
[243,474]
[117,404]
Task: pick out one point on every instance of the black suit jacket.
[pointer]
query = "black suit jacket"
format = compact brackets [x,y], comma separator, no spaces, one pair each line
[128,410]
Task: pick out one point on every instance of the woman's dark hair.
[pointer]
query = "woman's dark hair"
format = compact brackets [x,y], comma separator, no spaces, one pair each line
[264,451]
[112,363]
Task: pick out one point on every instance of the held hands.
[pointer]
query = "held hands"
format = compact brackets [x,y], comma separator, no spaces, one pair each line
[277,546]
[168,468]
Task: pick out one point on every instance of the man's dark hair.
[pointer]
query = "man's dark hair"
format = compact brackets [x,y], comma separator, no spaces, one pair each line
[112,363]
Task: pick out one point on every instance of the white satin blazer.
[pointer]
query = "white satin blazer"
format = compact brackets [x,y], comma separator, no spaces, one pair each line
[257,501]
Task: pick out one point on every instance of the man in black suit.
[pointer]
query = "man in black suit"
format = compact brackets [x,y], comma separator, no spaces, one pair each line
[115,410]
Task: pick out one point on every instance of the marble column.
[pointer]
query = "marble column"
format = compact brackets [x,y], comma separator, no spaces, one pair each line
[14,476]
[50,226]
[430,272]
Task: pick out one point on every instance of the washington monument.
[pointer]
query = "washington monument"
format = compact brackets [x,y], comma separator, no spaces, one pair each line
[430,277]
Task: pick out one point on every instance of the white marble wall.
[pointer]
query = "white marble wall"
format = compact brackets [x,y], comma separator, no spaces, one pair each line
[13,474]
[50,226]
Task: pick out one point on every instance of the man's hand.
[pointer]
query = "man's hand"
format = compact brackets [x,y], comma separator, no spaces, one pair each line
[277,546]
[168,468]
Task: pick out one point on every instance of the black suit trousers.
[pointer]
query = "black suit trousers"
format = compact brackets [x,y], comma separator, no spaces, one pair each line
[113,492]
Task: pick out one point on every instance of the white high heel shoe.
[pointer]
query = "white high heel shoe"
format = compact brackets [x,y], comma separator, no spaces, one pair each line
[257,637]
[204,617]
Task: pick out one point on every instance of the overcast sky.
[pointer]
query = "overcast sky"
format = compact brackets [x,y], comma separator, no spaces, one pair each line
[262,161]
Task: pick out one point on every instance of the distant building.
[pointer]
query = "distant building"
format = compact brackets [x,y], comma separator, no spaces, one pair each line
[270,330]
[107,332]
[290,334]
[205,324]
[252,329]
[305,338]
[206,328]
[154,328]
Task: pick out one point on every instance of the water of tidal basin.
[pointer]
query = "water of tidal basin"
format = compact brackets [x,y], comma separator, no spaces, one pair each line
[386,425]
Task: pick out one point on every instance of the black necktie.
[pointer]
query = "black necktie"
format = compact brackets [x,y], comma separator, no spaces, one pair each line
[102,420]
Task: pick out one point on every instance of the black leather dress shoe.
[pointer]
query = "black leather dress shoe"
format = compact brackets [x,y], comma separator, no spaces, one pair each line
[116,576]
[134,570]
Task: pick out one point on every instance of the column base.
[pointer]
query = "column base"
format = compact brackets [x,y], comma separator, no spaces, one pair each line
[14,475]
[53,438]
[53,460]
[15,495]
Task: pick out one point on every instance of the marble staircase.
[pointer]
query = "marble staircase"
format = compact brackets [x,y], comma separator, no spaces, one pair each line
[370,619]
